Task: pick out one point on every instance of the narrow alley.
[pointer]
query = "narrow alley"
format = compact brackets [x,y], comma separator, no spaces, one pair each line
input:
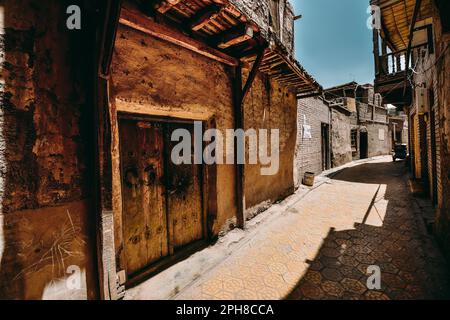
[322,246]
[196,150]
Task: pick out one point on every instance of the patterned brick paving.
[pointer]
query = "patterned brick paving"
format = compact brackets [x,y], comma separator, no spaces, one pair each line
[321,248]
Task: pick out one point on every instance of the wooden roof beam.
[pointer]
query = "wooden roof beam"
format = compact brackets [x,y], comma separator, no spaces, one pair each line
[235,36]
[204,16]
[165,5]
[144,24]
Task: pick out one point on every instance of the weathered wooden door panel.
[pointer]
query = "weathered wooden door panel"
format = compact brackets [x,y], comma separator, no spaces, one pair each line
[162,202]
[184,195]
[144,215]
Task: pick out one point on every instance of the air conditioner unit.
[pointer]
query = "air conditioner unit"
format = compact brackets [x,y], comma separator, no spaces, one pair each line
[422,100]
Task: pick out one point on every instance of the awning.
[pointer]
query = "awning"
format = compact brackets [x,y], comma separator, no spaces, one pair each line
[289,72]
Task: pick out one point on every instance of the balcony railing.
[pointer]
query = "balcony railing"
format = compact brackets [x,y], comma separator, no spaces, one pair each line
[392,63]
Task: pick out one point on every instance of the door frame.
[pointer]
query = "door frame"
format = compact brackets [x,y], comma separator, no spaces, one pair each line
[208,176]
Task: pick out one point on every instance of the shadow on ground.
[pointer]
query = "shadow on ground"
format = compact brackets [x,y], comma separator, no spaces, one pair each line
[411,265]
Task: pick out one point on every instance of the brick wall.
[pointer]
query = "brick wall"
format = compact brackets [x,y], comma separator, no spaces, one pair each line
[308,152]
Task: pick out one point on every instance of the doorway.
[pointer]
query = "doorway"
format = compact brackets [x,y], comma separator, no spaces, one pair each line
[325,146]
[162,203]
[363,144]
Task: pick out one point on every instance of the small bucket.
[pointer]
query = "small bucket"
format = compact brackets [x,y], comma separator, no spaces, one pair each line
[308,179]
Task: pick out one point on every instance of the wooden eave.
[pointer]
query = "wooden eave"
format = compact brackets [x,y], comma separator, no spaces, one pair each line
[396,17]
[287,71]
[217,29]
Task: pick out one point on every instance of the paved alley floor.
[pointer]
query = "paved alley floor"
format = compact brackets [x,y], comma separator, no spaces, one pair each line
[322,246]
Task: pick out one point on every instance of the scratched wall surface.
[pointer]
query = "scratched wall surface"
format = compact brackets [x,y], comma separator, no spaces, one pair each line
[43,153]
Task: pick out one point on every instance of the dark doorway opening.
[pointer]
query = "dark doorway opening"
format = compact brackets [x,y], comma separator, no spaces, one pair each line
[363,145]
[325,146]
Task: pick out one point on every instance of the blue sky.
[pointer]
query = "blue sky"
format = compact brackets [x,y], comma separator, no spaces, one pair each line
[332,40]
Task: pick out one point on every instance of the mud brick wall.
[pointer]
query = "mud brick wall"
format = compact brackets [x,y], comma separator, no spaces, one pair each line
[308,152]
[162,78]
[442,94]
[341,151]
[270,106]
[44,153]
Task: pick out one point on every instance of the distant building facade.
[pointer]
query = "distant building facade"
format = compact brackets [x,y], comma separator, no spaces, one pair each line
[346,123]
[360,127]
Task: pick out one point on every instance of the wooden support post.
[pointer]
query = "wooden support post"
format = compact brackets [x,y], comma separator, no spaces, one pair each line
[239,96]
[239,124]
[384,58]
[376,51]
[105,39]
[253,73]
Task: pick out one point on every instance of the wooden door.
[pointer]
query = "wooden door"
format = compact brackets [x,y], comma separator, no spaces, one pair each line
[144,212]
[184,195]
[162,207]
